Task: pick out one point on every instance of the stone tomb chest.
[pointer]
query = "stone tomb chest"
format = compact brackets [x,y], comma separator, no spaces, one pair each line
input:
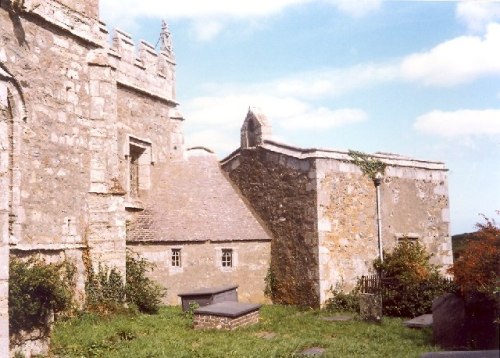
[226,315]
[208,296]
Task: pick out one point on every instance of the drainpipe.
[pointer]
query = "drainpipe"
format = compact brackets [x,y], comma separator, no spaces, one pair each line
[377,181]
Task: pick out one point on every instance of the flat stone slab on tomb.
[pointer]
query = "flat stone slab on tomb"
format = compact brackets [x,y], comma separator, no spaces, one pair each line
[228,309]
[226,315]
[209,295]
[422,321]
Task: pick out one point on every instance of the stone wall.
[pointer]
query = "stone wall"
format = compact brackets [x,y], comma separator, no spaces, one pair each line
[50,159]
[318,203]
[197,210]
[281,190]
[5,182]
[204,321]
[414,206]
[201,267]
[62,174]
[89,8]
[347,224]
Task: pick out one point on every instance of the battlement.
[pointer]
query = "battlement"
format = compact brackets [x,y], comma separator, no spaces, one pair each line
[89,8]
[143,68]
[81,18]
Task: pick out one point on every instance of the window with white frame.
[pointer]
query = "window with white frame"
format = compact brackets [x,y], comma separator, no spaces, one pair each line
[227,258]
[176,258]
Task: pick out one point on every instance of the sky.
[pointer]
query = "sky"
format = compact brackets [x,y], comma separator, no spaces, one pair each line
[417,78]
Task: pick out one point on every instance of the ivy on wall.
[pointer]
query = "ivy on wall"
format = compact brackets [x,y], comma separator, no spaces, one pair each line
[368,164]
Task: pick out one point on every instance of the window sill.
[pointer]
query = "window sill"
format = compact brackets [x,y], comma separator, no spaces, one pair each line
[132,204]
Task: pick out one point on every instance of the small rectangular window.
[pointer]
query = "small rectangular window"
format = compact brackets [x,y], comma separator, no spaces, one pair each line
[227,258]
[176,257]
[134,158]
[408,239]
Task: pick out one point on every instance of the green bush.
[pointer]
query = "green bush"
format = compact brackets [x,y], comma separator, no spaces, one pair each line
[36,290]
[410,282]
[141,291]
[105,290]
[107,293]
[341,301]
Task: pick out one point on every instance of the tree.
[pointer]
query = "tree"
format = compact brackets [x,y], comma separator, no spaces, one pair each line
[477,270]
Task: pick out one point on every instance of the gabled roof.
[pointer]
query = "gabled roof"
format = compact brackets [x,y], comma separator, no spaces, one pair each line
[194,201]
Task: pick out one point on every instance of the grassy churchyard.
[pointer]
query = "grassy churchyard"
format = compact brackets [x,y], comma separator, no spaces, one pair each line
[283,331]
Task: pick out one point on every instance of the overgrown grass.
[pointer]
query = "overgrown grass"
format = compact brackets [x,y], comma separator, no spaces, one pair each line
[283,331]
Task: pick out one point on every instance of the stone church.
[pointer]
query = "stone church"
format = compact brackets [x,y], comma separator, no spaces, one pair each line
[92,160]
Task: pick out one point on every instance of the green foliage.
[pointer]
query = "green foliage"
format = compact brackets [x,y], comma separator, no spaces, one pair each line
[368,164]
[107,293]
[270,280]
[409,262]
[283,331]
[105,290]
[341,301]
[143,292]
[477,270]
[36,290]
[193,306]
[410,281]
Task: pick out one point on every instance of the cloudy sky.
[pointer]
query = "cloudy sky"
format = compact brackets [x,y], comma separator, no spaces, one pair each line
[418,78]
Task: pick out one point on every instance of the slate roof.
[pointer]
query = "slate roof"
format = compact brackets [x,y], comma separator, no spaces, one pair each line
[194,201]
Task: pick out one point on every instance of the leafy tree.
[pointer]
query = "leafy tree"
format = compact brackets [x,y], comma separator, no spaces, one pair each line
[477,270]
[477,273]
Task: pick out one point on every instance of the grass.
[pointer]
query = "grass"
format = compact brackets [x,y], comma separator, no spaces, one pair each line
[283,331]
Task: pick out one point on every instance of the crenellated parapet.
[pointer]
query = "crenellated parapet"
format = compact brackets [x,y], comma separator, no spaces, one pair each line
[78,18]
[142,68]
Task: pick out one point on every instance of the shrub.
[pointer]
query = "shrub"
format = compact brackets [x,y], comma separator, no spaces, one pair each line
[36,290]
[477,269]
[341,301]
[107,293]
[477,273]
[105,290]
[141,291]
[410,282]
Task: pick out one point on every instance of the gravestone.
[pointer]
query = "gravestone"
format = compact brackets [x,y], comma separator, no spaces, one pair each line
[448,316]
[370,307]
[422,321]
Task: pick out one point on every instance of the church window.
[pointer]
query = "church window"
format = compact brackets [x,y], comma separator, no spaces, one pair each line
[227,258]
[139,159]
[176,257]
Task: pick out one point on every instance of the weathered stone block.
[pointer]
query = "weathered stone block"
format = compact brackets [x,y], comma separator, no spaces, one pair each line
[370,307]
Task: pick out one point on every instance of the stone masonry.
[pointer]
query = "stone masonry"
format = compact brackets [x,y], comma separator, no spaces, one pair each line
[198,213]
[322,211]
[92,161]
[90,139]
[227,323]
[78,117]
